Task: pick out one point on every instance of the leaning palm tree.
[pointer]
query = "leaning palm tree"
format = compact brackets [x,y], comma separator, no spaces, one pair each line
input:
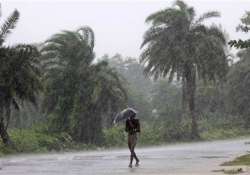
[64,57]
[182,46]
[19,76]
[68,48]
[75,86]
[8,25]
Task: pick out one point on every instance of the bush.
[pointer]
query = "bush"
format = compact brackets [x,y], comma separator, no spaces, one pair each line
[34,140]
[114,136]
[151,134]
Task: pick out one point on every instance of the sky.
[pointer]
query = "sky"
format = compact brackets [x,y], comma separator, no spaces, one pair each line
[119,25]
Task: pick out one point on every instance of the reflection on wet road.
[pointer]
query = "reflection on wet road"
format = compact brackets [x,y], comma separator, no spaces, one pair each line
[182,159]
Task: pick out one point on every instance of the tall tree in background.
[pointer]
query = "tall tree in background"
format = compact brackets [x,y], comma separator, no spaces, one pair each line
[19,75]
[139,87]
[238,83]
[178,44]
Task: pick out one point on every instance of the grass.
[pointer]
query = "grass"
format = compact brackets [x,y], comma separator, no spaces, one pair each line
[242,160]
[36,141]
[39,139]
[222,133]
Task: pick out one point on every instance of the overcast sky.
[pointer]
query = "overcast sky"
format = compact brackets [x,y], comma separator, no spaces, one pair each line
[118,25]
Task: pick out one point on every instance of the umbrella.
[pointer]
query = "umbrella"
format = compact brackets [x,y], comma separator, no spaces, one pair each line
[124,114]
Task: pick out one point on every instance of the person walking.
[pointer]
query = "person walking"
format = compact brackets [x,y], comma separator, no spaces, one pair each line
[132,128]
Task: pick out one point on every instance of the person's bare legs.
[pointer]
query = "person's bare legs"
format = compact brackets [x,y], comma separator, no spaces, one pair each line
[131,144]
[133,153]
[130,149]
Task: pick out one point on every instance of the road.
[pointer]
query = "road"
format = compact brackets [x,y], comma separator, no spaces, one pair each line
[180,159]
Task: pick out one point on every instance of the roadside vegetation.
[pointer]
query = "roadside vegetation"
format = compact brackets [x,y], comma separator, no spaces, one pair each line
[242,160]
[57,96]
[238,162]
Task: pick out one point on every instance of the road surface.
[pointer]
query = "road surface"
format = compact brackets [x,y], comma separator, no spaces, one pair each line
[181,159]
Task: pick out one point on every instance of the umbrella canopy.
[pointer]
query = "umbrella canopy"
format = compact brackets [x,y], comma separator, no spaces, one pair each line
[124,114]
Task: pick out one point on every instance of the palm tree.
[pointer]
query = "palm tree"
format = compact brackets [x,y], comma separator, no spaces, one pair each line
[109,94]
[79,92]
[19,76]
[64,55]
[180,45]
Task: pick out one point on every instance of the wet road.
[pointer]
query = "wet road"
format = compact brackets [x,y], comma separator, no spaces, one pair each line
[181,159]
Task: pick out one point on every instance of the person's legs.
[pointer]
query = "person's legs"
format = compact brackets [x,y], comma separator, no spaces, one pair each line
[130,149]
[133,144]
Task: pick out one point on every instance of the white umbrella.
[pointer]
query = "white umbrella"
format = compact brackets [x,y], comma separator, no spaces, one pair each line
[124,114]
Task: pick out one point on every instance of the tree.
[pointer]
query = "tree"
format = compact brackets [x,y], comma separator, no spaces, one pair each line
[79,93]
[244,27]
[139,87]
[166,101]
[210,98]
[19,76]
[178,44]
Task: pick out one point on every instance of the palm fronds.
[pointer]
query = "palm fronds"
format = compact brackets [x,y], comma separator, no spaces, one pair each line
[8,25]
[207,15]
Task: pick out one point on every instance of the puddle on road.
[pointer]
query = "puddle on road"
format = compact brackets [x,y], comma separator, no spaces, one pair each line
[87,157]
[213,157]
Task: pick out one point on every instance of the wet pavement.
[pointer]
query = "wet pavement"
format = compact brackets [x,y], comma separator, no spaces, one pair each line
[180,159]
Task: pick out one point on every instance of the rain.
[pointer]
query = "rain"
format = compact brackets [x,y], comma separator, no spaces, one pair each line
[131,87]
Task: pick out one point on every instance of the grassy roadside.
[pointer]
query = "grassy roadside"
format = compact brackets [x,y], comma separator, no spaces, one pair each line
[237,164]
[243,160]
[39,140]
[36,141]
[220,133]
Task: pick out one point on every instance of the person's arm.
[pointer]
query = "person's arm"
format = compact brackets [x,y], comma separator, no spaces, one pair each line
[127,127]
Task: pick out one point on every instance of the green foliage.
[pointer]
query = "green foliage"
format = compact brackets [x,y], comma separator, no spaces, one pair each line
[140,102]
[19,76]
[166,100]
[237,87]
[156,132]
[223,133]
[115,136]
[36,140]
[216,126]
[242,160]
[132,72]
[28,141]
[151,134]
[138,87]
[240,44]
[211,98]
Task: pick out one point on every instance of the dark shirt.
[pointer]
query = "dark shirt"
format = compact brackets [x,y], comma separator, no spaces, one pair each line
[132,126]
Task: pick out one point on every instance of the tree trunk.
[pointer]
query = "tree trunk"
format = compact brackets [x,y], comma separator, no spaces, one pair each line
[8,114]
[191,88]
[184,95]
[3,130]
